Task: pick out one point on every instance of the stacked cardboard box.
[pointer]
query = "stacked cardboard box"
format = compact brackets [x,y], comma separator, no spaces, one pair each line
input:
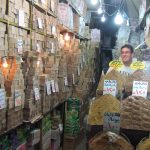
[39,20]
[51,25]
[14,86]
[3,8]
[37,42]
[45,91]
[19,12]
[3,40]
[32,69]
[3,104]
[19,40]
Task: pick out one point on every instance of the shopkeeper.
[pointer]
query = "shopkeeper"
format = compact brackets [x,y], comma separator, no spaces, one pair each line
[126,59]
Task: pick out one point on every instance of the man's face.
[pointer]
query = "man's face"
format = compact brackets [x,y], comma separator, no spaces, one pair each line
[126,55]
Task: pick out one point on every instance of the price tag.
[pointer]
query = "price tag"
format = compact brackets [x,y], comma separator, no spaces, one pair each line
[111,122]
[21,18]
[40,23]
[2,99]
[48,88]
[78,71]
[73,79]
[56,87]
[66,81]
[18,98]
[20,46]
[110,87]
[53,86]
[36,93]
[140,88]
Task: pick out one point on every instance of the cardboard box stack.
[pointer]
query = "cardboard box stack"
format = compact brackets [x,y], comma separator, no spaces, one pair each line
[14,86]
[39,23]
[19,12]
[3,8]
[32,68]
[3,40]
[19,40]
[37,42]
[3,104]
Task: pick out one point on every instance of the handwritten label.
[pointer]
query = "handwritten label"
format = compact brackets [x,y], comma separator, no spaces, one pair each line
[21,18]
[111,122]
[18,98]
[116,64]
[40,23]
[2,99]
[36,93]
[20,46]
[110,87]
[140,88]
[137,65]
[48,88]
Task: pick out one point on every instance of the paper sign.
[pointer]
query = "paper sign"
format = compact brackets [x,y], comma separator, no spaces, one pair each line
[2,99]
[66,81]
[20,46]
[56,86]
[73,80]
[140,88]
[53,86]
[48,88]
[36,94]
[18,98]
[111,122]
[40,23]
[21,18]
[110,87]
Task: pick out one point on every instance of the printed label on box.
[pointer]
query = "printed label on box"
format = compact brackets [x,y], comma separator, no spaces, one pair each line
[110,87]
[36,93]
[40,23]
[111,122]
[20,46]
[48,88]
[2,99]
[21,18]
[18,98]
[140,88]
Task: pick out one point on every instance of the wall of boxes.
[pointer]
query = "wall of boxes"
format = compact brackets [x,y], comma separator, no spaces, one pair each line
[38,68]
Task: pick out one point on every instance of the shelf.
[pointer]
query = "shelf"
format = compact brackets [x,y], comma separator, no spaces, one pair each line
[34,120]
[51,14]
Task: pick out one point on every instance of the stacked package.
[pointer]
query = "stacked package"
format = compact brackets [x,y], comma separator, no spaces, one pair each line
[39,20]
[19,12]
[32,68]
[3,40]
[14,86]
[3,104]
[3,8]
[135,113]
[37,42]
[45,91]
[19,40]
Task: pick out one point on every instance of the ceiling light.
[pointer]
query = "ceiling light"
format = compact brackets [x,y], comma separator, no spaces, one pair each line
[100,10]
[118,18]
[94,2]
[103,19]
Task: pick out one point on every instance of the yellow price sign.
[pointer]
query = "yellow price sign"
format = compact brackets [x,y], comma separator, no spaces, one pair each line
[116,64]
[137,65]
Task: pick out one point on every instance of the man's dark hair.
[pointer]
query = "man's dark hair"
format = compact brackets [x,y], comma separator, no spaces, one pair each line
[129,47]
